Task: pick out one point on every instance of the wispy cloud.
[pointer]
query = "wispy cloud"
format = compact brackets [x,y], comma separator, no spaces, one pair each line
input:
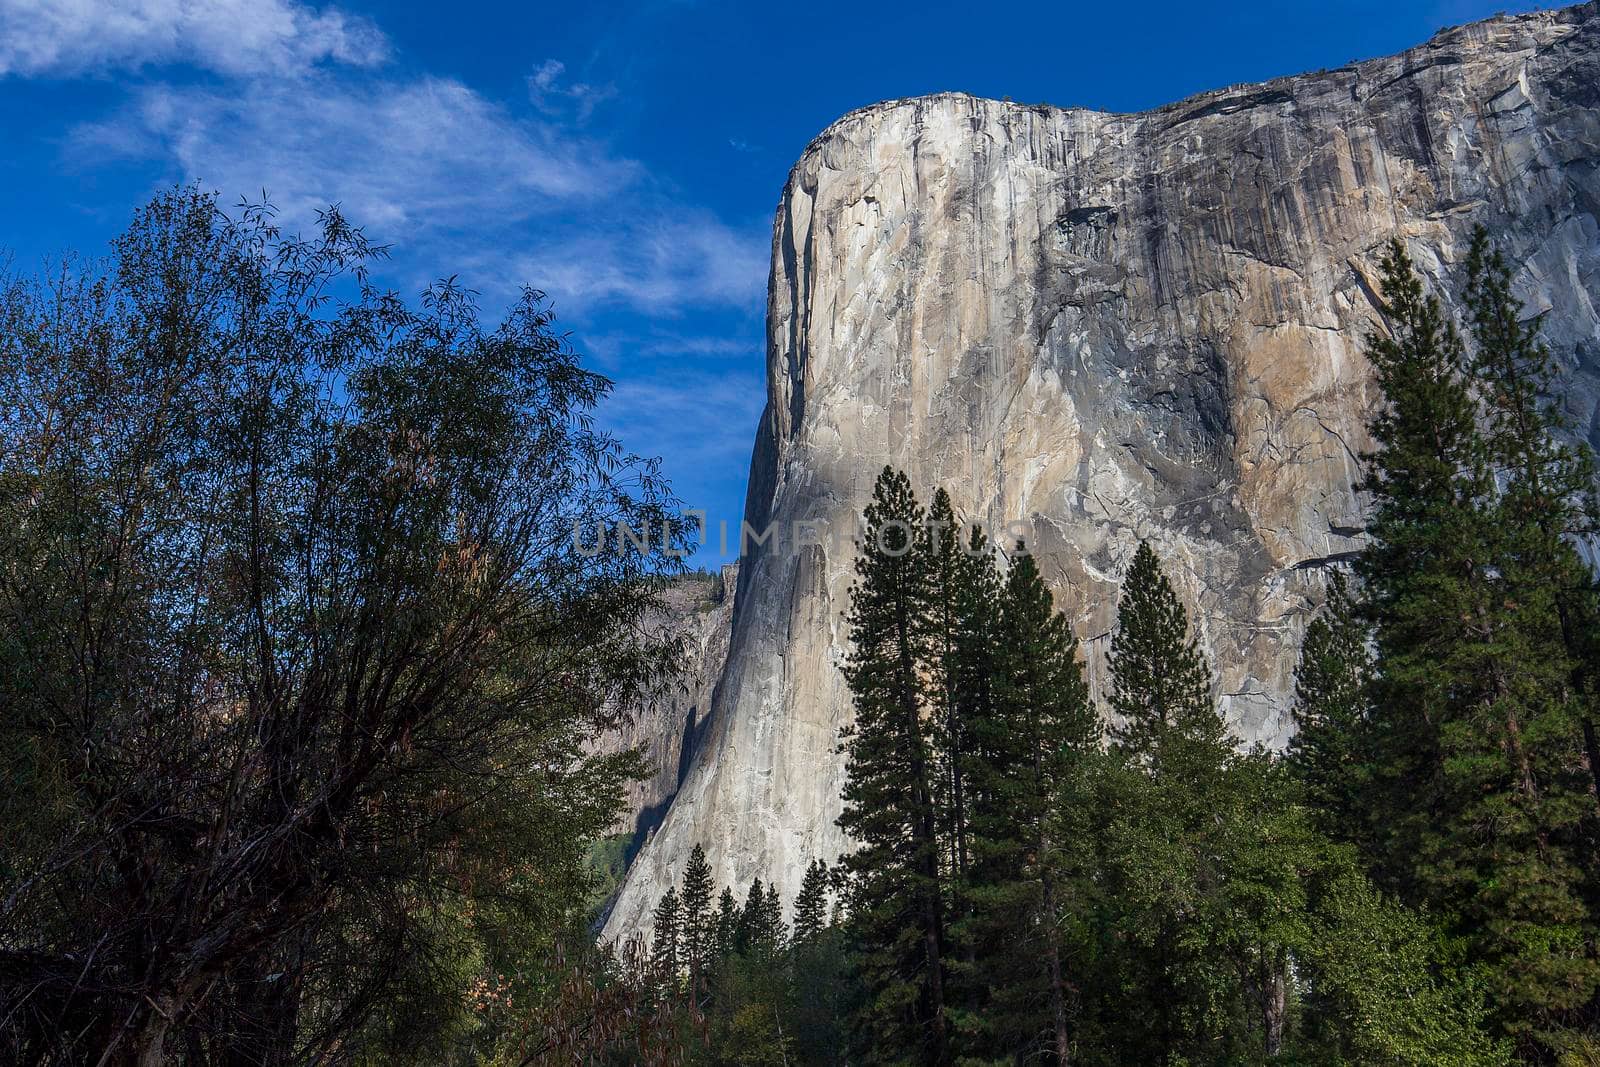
[233,37]
[658,262]
[449,176]
[550,92]
[298,101]
[428,153]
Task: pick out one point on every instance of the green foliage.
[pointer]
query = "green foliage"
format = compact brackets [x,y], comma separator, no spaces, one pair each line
[295,649]
[1479,598]
[699,922]
[811,906]
[1384,986]
[1033,746]
[895,889]
[666,955]
[766,998]
[1332,712]
[1160,681]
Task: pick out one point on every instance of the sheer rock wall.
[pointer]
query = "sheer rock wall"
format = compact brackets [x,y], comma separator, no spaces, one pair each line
[1114,327]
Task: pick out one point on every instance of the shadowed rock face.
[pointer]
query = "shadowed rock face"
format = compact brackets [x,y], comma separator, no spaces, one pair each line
[668,728]
[1116,327]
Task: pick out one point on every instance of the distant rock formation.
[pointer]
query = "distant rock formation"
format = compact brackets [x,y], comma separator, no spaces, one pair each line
[1115,327]
[698,610]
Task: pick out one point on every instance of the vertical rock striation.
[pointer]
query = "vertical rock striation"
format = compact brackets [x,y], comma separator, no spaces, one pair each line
[1115,327]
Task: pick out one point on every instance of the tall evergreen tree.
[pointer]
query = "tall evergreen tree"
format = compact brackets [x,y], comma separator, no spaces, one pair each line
[818,964]
[665,962]
[1479,718]
[1032,776]
[699,921]
[1427,482]
[1181,801]
[749,913]
[727,924]
[1160,681]
[964,591]
[896,896]
[773,933]
[1549,498]
[811,906]
[1333,697]
[946,574]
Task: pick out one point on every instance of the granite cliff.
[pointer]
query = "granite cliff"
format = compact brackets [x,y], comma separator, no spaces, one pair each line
[696,609]
[1113,327]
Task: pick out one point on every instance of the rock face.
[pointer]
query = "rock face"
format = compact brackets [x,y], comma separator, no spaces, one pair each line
[698,610]
[1115,327]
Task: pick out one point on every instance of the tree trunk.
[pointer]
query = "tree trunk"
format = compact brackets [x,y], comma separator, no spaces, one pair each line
[925,828]
[932,922]
[1274,1005]
[1058,986]
[149,1048]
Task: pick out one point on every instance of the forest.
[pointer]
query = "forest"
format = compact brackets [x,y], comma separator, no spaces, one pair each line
[301,670]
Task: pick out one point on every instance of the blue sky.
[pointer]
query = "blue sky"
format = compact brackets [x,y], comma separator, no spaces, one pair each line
[624,157]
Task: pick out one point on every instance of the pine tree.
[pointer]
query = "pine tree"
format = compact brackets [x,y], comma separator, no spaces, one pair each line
[1333,697]
[727,924]
[1160,681]
[818,965]
[811,906]
[773,935]
[946,572]
[1549,500]
[699,923]
[1480,709]
[1427,481]
[1180,804]
[749,928]
[1032,777]
[665,961]
[896,896]
[964,597]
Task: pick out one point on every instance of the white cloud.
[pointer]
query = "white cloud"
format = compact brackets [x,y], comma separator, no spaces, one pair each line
[436,169]
[423,154]
[231,37]
[453,180]
[548,94]
[665,259]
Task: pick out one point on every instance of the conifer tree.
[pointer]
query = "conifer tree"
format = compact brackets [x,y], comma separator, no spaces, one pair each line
[698,922]
[665,962]
[727,924]
[1180,804]
[896,897]
[1549,500]
[772,934]
[964,597]
[1333,695]
[749,929]
[1160,681]
[818,963]
[1478,717]
[811,906]
[1427,481]
[946,574]
[1032,771]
